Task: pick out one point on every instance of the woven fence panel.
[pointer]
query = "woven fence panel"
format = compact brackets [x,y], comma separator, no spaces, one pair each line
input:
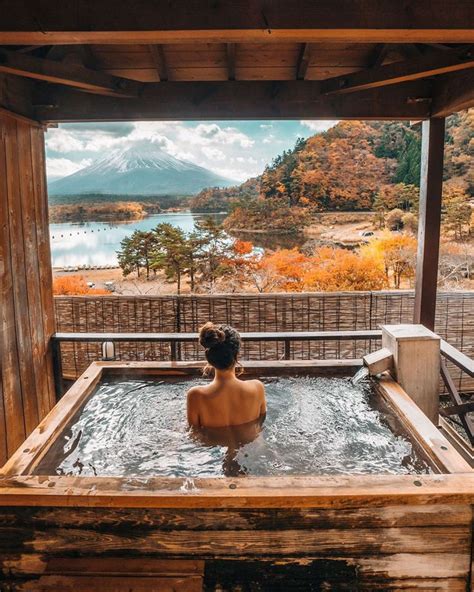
[256,312]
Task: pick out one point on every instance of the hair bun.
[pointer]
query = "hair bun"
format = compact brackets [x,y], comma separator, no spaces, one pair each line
[210,335]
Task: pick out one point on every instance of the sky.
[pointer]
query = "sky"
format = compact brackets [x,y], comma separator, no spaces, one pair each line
[235,149]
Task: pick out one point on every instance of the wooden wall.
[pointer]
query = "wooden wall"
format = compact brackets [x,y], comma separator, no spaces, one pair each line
[26,303]
[356,547]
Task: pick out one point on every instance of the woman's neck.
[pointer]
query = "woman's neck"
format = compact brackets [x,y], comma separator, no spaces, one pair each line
[223,375]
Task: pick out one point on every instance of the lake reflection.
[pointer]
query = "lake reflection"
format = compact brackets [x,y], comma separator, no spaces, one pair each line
[97,243]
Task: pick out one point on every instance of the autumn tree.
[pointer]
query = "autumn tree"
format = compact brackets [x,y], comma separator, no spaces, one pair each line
[459,150]
[332,269]
[457,210]
[394,218]
[410,222]
[397,254]
[74,285]
[267,214]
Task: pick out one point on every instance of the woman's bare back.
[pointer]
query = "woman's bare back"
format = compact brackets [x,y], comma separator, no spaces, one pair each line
[226,402]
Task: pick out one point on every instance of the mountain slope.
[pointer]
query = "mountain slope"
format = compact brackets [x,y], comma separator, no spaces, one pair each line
[143,170]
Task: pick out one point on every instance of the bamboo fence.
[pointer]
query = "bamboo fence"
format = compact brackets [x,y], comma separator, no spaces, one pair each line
[329,311]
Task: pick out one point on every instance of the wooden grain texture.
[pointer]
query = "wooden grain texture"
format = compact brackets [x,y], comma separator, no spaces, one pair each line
[259,98]
[278,549]
[388,516]
[68,74]
[422,430]
[249,20]
[25,292]
[251,492]
[431,186]
[30,453]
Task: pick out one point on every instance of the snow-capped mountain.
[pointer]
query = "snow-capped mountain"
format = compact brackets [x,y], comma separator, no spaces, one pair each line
[139,170]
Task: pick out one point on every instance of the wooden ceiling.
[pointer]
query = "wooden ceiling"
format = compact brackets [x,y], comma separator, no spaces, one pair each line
[185,62]
[211,59]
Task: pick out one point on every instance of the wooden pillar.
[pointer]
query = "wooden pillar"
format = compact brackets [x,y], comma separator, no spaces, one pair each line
[26,302]
[431,186]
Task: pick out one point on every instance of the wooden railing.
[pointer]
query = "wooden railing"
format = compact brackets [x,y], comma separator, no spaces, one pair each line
[458,408]
[175,339]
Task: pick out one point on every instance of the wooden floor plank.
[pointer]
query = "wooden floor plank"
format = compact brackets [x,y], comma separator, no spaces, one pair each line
[344,542]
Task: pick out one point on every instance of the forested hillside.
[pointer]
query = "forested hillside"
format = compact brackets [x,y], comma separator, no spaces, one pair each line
[352,166]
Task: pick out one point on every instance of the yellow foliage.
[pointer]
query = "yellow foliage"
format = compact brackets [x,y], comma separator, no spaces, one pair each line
[332,269]
[396,252]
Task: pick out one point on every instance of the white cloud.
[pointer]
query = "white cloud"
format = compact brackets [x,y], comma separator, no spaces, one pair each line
[62,167]
[62,140]
[269,139]
[318,125]
[266,125]
[213,153]
[205,134]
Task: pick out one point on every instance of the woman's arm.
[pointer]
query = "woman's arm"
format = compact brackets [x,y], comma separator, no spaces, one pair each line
[193,407]
[263,400]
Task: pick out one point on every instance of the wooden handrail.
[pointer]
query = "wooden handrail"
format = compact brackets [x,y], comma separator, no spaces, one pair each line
[190,337]
[459,359]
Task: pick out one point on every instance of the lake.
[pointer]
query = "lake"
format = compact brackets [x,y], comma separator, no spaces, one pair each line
[96,243]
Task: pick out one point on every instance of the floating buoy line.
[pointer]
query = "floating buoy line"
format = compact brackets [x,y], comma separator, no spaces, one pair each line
[59,235]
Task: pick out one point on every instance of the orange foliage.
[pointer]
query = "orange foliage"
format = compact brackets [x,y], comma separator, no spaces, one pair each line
[396,252]
[287,264]
[332,269]
[242,247]
[74,285]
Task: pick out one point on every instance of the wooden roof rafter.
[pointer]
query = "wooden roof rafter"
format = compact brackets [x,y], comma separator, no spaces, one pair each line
[398,72]
[303,61]
[79,77]
[159,60]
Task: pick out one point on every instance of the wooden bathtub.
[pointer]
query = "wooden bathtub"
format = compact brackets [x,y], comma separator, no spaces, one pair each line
[358,532]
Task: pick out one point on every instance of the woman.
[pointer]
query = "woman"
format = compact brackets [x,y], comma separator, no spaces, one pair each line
[227,400]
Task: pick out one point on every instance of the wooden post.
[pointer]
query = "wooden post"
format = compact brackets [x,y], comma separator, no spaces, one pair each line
[416,364]
[26,302]
[432,151]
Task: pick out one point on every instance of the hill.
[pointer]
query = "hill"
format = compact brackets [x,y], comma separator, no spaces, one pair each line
[344,168]
[138,170]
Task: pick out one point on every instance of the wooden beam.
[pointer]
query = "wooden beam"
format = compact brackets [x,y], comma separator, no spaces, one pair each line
[230,50]
[159,60]
[282,491]
[431,186]
[378,55]
[157,21]
[453,92]
[28,48]
[303,61]
[236,100]
[67,74]
[398,72]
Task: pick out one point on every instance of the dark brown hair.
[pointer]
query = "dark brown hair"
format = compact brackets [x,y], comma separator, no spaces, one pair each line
[222,344]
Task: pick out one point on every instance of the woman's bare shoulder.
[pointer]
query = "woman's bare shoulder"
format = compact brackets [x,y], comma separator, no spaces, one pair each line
[197,391]
[256,385]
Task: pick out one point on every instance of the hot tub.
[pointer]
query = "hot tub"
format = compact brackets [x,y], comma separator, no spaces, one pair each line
[318,518]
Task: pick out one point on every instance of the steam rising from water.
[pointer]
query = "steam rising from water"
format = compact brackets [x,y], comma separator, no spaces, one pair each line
[314,426]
